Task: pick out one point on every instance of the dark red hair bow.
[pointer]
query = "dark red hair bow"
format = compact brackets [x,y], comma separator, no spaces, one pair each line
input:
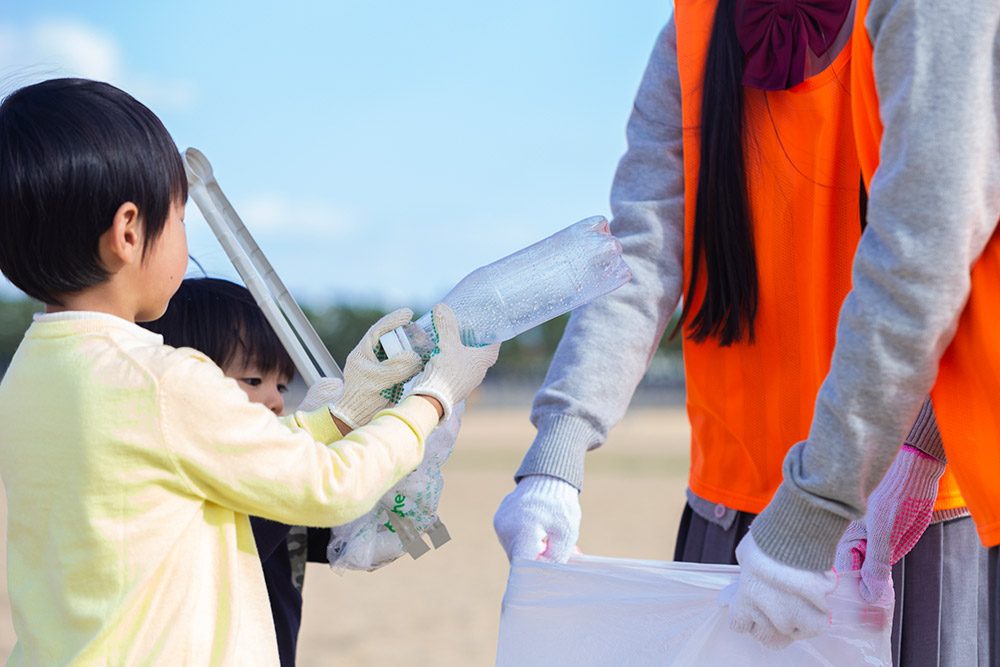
[776,36]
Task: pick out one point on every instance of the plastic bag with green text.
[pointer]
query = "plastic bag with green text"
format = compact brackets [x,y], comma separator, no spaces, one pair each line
[404,516]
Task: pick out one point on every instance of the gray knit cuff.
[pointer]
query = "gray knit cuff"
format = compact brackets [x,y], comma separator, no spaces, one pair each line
[797,532]
[559,449]
[925,435]
[940,516]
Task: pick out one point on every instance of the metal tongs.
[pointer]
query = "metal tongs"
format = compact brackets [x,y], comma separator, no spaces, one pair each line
[312,360]
[311,357]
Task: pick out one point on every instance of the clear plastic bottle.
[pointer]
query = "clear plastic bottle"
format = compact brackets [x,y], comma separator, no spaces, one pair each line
[501,300]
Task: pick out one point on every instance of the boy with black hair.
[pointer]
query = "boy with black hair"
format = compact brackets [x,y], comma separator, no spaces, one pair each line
[130,466]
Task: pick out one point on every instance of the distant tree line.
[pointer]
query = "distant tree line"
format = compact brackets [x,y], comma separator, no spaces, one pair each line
[341,326]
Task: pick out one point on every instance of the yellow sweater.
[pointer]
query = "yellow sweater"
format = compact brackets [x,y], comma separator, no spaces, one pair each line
[130,469]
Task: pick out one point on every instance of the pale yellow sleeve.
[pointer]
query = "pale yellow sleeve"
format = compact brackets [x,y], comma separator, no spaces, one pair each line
[237,454]
[319,423]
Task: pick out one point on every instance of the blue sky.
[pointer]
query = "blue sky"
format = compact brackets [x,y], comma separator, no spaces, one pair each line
[378,151]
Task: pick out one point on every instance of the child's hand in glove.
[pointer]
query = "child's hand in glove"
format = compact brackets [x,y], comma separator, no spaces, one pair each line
[452,373]
[365,377]
[325,392]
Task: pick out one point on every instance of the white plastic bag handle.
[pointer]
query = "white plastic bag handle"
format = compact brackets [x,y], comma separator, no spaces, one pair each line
[296,333]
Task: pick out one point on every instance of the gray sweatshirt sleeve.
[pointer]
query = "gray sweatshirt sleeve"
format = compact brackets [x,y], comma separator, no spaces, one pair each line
[934,203]
[609,343]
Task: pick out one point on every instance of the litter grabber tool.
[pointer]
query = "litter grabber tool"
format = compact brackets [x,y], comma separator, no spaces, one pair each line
[312,360]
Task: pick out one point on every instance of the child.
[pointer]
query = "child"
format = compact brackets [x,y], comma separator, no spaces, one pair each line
[131,466]
[222,320]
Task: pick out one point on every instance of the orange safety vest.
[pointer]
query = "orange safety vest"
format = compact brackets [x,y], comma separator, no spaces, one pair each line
[749,403]
[966,395]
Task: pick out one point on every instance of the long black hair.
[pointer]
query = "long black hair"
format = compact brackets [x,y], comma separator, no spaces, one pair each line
[221,320]
[722,224]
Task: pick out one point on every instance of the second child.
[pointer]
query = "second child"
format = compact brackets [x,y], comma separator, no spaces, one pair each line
[222,320]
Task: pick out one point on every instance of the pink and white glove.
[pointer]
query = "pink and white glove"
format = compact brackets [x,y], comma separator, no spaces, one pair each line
[899,511]
[777,603]
[540,518]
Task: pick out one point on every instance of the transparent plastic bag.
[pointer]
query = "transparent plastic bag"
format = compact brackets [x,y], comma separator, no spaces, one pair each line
[409,510]
[607,611]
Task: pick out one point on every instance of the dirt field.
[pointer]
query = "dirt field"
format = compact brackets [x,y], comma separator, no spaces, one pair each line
[444,609]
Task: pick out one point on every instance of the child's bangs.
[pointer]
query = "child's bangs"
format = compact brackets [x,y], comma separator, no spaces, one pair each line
[258,346]
[221,319]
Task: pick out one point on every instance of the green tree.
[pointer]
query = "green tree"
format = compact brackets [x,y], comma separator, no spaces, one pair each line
[15,318]
[342,326]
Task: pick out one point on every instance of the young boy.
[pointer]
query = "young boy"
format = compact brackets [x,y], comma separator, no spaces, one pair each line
[130,466]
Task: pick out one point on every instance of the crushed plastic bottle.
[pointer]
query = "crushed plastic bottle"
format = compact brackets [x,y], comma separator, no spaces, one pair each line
[501,300]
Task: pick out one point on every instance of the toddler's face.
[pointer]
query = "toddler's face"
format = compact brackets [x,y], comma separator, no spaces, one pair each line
[268,389]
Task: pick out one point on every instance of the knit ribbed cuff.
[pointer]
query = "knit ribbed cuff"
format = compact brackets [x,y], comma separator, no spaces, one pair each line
[797,532]
[559,449]
[347,417]
[940,516]
[925,435]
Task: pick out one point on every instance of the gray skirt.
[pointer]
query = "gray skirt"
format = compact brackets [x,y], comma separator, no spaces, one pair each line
[993,581]
[942,605]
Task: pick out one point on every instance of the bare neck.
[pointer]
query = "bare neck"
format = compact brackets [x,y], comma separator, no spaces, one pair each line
[110,297]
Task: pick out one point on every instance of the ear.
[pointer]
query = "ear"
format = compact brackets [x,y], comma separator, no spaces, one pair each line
[121,243]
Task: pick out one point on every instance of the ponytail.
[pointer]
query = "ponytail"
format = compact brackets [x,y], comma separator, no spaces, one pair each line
[722,228]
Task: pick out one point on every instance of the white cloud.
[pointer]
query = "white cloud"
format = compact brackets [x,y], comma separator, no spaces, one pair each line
[68,47]
[79,48]
[306,242]
[271,212]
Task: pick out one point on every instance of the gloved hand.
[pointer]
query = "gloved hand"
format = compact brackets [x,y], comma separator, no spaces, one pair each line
[326,391]
[539,518]
[365,376]
[452,373]
[899,511]
[775,602]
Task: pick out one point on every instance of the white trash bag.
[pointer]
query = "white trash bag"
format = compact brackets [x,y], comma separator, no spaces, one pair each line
[403,515]
[608,611]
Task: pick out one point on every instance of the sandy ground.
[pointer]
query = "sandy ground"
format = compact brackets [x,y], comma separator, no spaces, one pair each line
[444,609]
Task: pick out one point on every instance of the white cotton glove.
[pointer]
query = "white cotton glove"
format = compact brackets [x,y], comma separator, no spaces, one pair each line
[899,511]
[775,602]
[540,518]
[452,373]
[326,391]
[366,379]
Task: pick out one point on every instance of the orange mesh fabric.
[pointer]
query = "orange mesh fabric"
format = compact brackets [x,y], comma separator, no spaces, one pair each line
[749,403]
